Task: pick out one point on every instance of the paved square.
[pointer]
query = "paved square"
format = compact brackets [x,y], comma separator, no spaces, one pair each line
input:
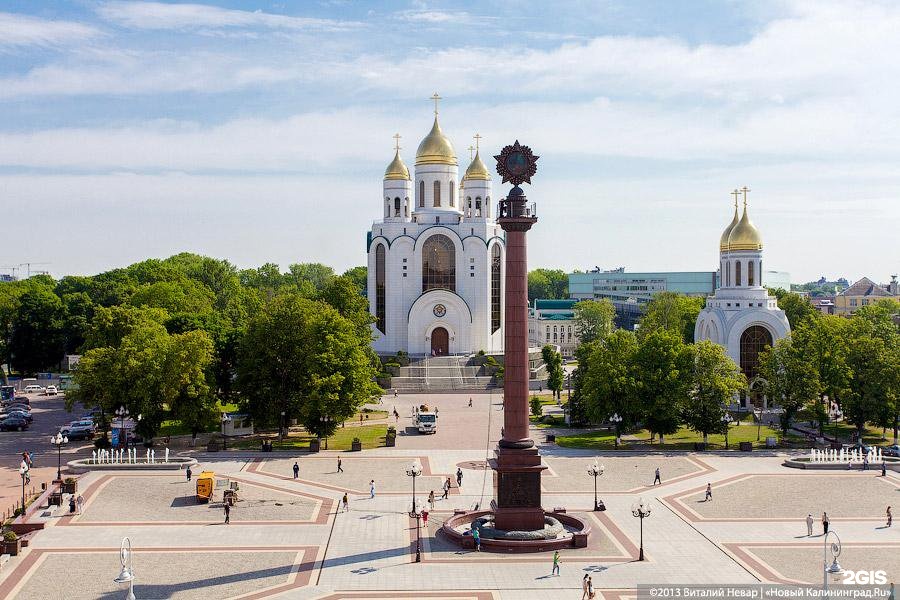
[803,563]
[621,473]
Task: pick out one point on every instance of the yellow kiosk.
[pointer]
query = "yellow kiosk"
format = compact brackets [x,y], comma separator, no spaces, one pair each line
[206,483]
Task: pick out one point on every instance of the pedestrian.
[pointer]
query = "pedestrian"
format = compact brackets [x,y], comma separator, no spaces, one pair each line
[227,513]
[396,416]
[446,489]
[340,468]
[865,463]
[458,477]
[825,523]
[890,517]
[883,468]
[891,596]
[188,473]
[71,504]
[431,499]
[371,489]
[360,418]
[656,478]
[477,538]
[809,525]
[395,393]
[296,470]
[555,570]
[425,518]
[590,588]
[584,587]
[345,502]
[708,497]
[470,401]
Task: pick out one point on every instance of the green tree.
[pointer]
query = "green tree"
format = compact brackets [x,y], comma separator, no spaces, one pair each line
[594,319]
[714,381]
[555,376]
[873,379]
[359,276]
[796,308]
[316,274]
[38,339]
[303,358]
[110,325]
[547,284]
[672,312]
[79,311]
[791,381]
[662,374]
[822,343]
[607,386]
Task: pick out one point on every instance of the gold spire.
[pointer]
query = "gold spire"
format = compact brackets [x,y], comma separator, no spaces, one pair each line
[723,241]
[745,236]
[436,148]
[477,169]
[396,170]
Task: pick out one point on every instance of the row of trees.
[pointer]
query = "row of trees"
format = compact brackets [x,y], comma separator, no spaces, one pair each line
[181,337]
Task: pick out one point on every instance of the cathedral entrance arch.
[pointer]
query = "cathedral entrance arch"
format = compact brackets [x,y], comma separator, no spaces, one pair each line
[440,342]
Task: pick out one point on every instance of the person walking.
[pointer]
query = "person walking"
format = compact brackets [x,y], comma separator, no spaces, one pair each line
[809,525]
[296,470]
[555,570]
[584,587]
[431,499]
[340,469]
[477,539]
[708,497]
[883,468]
[458,477]
[825,523]
[890,517]
[425,518]
[446,489]
[865,463]
[470,401]
[345,503]
[188,473]
[371,489]
[590,587]
[227,512]
[80,503]
[656,478]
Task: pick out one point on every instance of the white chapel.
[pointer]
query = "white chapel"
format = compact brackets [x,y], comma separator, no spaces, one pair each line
[435,282]
[741,315]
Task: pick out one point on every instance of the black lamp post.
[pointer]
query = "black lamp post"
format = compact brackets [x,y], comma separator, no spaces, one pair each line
[59,440]
[641,510]
[616,419]
[726,420]
[414,471]
[225,419]
[282,428]
[123,414]
[326,420]
[596,471]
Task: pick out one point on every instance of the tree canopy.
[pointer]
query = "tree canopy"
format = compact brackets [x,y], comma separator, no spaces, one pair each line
[594,319]
[547,284]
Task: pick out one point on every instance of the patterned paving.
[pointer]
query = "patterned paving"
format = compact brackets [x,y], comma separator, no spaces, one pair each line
[803,563]
[621,474]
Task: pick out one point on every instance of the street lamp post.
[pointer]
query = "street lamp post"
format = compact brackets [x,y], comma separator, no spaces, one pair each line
[596,471]
[616,420]
[225,419]
[726,420]
[23,472]
[641,510]
[59,440]
[126,575]
[414,471]
[834,568]
[282,427]
[123,414]
[326,420]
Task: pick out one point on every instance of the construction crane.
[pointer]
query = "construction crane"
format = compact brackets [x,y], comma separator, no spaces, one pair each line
[28,266]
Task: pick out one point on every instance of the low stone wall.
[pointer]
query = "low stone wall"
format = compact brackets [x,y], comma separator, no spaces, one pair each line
[83,465]
[578,539]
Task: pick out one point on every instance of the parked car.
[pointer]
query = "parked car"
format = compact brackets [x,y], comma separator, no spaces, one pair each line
[13,423]
[33,389]
[22,413]
[891,450]
[22,400]
[51,390]
[78,431]
[12,407]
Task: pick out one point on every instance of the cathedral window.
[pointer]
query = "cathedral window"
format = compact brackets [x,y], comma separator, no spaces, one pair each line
[438,264]
[437,193]
[452,198]
[737,273]
[396,207]
[421,194]
[477,207]
[405,209]
[754,340]
[380,304]
[750,279]
[495,288]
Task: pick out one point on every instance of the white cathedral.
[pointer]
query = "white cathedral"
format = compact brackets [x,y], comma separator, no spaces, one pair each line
[435,283]
[741,315]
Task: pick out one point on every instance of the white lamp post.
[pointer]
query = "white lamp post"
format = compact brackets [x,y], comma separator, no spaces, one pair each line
[616,419]
[59,440]
[414,470]
[726,420]
[834,568]
[127,573]
[225,419]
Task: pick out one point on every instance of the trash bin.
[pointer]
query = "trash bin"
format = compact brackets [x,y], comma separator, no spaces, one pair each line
[746,446]
[551,437]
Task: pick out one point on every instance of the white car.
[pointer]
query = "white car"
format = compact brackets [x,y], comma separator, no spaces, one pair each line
[33,389]
[51,390]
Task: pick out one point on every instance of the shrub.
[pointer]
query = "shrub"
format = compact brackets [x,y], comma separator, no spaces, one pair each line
[356,440]
[491,361]
[69,480]
[481,353]
[392,430]
[10,536]
[536,406]
[402,354]
[392,364]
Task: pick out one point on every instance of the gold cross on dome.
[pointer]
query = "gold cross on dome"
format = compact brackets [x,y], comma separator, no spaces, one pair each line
[736,193]
[471,150]
[435,97]
[477,137]
[744,190]
[397,137]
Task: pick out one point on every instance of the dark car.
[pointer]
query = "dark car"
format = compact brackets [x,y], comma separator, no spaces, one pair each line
[78,432]
[21,413]
[13,423]
[891,450]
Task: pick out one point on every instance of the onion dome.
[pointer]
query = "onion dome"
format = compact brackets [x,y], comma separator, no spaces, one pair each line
[723,241]
[745,235]
[396,170]
[436,148]
[477,170]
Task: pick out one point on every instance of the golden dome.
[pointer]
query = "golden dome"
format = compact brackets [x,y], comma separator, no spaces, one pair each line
[723,241]
[396,170]
[745,236]
[436,148]
[477,170]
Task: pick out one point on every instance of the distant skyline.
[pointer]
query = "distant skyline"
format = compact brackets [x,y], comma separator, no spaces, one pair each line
[259,131]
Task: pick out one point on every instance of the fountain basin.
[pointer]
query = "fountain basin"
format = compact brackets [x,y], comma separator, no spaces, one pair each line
[571,532]
[176,463]
[805,462]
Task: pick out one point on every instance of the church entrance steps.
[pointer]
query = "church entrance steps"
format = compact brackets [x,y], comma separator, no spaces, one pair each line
[442,373]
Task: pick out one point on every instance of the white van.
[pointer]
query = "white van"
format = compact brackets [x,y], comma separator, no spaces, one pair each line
[426,422]
[33,389]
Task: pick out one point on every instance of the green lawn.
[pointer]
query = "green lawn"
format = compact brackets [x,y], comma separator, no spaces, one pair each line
[548,421]
[173,427]
[371,436]
[684,439]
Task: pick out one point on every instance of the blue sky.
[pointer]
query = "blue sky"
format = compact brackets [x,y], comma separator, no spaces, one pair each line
[259,131]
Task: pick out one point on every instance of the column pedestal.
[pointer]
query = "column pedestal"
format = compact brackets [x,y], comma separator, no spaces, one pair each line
[517,485]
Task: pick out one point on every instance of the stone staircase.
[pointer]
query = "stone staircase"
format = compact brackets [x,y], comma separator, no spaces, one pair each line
[441,373]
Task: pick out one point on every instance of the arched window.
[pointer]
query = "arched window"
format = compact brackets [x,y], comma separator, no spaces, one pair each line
[380,309]
[437,193]
[421,194]
[452,198]
[750,279]
[478,206]
[495,288]
[727,274]
[387,207]
[397,207]
[438,264]
[737,273]
[406,207]
[754,340]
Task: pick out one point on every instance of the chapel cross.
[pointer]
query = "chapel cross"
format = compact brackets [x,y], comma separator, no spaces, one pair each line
[744,190]
[736,193]
[477,137]
[435,97]
[397,137]
[471,150]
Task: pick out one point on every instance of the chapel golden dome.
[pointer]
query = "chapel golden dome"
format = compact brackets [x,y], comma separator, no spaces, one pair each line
[396,170]
[745,235]
[436,148]
[723,241]
[477,170]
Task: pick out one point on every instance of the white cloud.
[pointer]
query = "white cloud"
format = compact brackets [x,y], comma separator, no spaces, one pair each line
[23,30]
[158,15]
